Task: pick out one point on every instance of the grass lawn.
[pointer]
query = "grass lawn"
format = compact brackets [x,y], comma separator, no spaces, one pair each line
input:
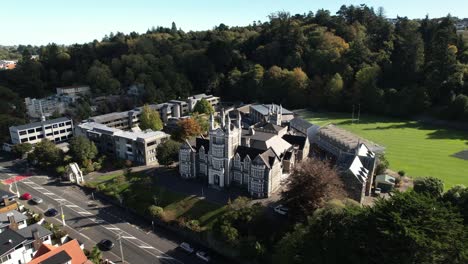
[176,205]
[418,149]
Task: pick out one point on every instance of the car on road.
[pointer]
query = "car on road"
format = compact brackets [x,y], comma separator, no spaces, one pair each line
[281,209]
[105,244]
[186,247]
[37,200]
[51,212]
[26,196]
[203,256]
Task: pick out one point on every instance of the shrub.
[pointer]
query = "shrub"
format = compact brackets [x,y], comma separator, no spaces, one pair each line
[401,173]
[193,225]
[156,211]
[430,186]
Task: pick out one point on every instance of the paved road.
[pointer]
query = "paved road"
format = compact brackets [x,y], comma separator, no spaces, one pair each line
[90,221]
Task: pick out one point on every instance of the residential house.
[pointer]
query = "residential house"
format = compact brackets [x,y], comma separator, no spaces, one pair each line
[68,253]
[18,246]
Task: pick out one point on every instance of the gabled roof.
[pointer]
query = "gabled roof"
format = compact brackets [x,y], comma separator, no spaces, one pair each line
[358,170]
[299,123]
[295,140]
[17,215]
[70,250]
[27,232]
[244,151]
[9,240]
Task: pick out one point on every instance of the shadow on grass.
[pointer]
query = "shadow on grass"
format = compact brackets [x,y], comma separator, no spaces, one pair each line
[203,211]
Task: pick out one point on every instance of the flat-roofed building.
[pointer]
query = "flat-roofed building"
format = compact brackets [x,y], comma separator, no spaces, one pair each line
[213,100]
[136,146]
[56,130]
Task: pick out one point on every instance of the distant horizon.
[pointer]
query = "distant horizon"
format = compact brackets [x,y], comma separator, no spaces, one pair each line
[50,21]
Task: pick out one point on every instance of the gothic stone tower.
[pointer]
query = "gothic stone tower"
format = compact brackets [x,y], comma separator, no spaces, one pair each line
[224,141]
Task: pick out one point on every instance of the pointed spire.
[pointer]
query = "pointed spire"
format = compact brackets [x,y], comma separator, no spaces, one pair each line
[228,123]
[223,118]
[239,121]
[212,122]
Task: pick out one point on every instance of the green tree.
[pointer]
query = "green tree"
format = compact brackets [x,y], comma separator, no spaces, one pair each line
[150,119]
[21,149]
[95,255]
[203,107]
[47,155]
[155,211]
[82,149]
[168,152]
[430,186]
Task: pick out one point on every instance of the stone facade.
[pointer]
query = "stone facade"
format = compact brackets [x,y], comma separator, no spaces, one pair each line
[253,160]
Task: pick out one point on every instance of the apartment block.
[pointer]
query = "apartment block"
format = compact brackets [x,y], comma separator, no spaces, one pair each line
[55,130]
[172,109]
[136,146]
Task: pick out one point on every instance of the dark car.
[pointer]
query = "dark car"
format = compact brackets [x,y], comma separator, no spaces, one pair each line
[51,212]
[105,244]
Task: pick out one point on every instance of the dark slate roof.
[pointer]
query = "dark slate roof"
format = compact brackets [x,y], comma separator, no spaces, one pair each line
[243,151]
[271,127]
[261,136]
[295,140]
[59,258]
[18,217]
[43,123]
[5,238]
[26,232]
[300,123]
[7,193]
[269,157]
[202,142]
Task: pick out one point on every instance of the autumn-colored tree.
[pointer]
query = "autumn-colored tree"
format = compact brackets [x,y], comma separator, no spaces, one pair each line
[311,184]
[187,128]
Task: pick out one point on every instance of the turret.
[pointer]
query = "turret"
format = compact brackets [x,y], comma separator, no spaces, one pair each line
[223,119]
[228,124]
[212,122]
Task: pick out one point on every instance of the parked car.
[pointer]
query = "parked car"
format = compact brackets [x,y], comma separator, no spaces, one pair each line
[377,191]
[203,256]
[26,196]
[51,212]
[280,209]
[37,200]
[105,244]
[186,246]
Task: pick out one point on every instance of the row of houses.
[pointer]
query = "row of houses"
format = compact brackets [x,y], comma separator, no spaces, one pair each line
[21,243]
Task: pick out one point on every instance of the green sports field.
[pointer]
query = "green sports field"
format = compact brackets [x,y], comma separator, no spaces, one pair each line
[418,149]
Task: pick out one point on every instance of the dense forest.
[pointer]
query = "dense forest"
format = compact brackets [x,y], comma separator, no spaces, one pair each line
[316,60]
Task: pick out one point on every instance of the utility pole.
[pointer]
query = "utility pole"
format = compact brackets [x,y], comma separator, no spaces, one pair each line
[63,216]
[16,187]
[119,238]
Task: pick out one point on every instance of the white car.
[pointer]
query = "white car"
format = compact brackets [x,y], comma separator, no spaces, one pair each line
[186,246]
[203,255]
[280,209]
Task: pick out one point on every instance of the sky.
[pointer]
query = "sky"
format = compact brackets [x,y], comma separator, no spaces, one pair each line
[66,22]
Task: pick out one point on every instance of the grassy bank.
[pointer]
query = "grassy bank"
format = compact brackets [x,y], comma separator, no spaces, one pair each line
[418,149]
[139,191]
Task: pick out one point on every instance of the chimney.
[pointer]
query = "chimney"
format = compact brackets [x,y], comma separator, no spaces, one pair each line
[13,225]
[37,240]
[6,201]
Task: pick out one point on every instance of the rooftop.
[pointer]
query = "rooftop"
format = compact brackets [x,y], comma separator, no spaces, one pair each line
[41,123]
[147,134]
[60,254]
[17,215]
[8,194]
[27,232]
[9,240]
[265,108]
[295,140]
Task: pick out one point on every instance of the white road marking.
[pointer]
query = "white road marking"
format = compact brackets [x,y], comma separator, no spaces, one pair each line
[129,237]
[112,228]
[48,193]
[70,205]
[146,247]
[28,182]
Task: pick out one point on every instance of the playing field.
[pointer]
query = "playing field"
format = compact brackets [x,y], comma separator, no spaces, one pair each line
[417,148]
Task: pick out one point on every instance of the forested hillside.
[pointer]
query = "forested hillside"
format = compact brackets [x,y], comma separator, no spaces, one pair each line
[316,60]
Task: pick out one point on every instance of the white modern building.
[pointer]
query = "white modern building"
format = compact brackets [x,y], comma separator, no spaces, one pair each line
[55,130]
[136,146]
